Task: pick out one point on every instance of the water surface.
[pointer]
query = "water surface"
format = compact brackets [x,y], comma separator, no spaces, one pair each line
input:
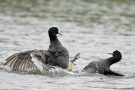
[91,27]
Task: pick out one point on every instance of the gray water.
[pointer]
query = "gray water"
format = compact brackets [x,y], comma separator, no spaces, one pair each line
[90,27]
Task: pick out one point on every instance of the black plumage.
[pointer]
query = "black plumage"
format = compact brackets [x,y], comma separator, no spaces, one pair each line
[103,67]
[56,55]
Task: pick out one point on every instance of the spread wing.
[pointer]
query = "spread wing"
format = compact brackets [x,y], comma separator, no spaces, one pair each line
[22,62]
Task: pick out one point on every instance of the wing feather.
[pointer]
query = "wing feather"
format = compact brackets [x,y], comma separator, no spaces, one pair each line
[22,61]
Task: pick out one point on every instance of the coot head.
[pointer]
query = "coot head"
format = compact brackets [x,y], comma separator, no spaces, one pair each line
[116,54]
[53,31]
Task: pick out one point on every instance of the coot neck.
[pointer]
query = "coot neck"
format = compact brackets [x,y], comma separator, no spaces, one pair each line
[54,40]
[53,37]
[113,60]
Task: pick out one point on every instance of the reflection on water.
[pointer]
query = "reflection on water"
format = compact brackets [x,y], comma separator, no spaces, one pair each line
[97,27]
